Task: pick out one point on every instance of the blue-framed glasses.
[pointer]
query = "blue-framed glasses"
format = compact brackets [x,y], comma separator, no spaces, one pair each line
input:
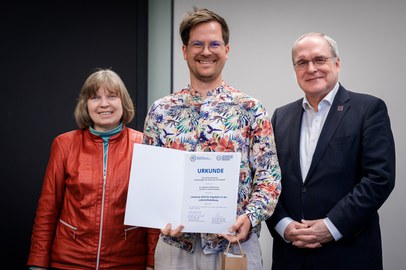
[214,46]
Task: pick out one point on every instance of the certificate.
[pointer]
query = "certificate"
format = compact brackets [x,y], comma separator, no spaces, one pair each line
[198,190]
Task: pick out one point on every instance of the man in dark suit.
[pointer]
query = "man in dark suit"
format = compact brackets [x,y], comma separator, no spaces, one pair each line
[337,157]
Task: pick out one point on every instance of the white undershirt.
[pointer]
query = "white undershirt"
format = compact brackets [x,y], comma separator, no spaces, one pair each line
[312,124]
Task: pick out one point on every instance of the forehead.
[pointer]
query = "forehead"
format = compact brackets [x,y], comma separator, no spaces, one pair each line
[311,46]
[206,30]
[103,88]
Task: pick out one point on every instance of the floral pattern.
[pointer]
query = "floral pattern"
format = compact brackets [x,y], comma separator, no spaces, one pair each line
[227,120]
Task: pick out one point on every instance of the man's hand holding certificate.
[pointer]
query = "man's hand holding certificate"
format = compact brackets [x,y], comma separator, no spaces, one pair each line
[198,190]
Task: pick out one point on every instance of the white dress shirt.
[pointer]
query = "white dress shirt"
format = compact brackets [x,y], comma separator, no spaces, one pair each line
[312,124]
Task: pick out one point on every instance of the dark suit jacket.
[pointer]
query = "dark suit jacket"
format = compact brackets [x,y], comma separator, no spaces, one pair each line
[351,175]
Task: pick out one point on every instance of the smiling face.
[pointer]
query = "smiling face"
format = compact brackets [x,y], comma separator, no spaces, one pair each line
[105,109]
[315,80]
[205,63]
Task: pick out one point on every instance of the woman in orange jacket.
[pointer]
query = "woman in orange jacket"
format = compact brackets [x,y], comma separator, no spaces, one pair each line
[79,222]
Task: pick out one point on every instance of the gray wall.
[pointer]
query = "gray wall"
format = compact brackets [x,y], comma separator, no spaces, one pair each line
[370,35]
[159,49]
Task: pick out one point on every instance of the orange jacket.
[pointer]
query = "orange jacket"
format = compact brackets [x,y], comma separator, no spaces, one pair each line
[79,222]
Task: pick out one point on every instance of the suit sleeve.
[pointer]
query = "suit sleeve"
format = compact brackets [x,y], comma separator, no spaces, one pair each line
[377,173]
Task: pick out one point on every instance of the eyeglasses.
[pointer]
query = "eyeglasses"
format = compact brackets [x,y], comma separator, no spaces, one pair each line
[214,46]
[317,61]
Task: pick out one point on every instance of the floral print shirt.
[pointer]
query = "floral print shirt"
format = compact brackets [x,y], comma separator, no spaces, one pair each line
[227,120]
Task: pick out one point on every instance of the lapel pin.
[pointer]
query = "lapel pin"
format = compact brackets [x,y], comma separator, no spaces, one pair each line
[340,108]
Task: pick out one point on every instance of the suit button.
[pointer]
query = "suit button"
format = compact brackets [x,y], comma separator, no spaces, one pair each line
[304,189]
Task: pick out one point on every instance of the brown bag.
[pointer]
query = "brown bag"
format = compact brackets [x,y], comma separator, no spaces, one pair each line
[232,261]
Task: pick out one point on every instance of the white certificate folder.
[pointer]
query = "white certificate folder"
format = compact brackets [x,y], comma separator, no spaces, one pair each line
[198,190]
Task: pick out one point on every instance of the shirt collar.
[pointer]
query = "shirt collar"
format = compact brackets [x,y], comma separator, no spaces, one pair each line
[326,100]
[105,135]
[219,89]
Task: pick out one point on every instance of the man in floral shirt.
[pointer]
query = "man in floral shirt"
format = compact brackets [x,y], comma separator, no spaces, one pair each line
[210,115]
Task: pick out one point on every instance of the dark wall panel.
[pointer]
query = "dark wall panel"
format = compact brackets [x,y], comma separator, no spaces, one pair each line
[47,50]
